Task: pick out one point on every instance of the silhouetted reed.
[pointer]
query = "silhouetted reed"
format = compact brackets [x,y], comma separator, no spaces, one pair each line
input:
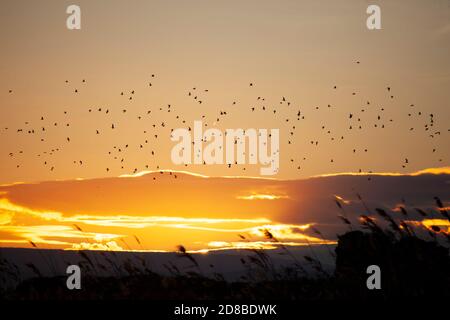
[392,239]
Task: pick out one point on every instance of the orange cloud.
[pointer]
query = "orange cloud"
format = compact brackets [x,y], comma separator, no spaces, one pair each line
[40,233]
[285,231]
[67,232]
[5,218]
[262,197]
[267,245]
[109,246]
[116,221]
[439,170]
[428,223]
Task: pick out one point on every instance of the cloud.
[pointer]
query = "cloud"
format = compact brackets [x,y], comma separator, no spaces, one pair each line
[147,172]
[143,222]
[435,171]
[6,205]
[5,218]
[286,232]
[42,233]
[196,211]
[118,220]
[262,197]
[428,223]
[267,245]
[50,234]
[109,246]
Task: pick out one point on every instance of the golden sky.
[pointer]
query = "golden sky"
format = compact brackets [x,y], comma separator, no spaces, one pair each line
[100,103]
[159,210]
[298,50]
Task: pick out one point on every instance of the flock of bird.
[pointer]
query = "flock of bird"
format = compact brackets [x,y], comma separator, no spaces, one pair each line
[157,121]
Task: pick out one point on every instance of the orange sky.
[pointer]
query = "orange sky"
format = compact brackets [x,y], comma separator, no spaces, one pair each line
[293,49]
[160,209]
[164,209]
[100,103]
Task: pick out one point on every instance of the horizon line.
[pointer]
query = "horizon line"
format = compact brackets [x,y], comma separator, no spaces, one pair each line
[432,170]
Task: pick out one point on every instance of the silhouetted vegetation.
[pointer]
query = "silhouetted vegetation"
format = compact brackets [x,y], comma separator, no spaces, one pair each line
[414,259]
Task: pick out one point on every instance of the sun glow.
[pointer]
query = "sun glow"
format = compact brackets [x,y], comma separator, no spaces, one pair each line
[262,197]
[109,232]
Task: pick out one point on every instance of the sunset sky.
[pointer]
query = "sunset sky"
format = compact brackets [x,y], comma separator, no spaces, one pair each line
[84,107]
